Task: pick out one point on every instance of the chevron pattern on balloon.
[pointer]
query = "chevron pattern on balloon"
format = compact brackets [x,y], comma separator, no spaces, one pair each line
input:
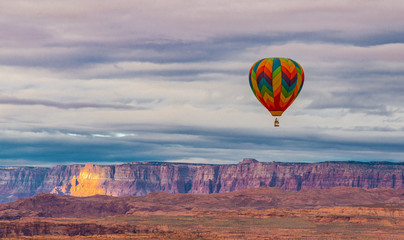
[276,82]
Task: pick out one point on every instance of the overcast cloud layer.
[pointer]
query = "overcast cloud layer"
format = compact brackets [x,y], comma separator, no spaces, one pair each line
[122,81]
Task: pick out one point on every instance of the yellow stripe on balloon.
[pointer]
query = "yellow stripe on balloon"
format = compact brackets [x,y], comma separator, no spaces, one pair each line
[268,66]
[262,64]
[276,81]
[268,98]
[285,100]
[292,67]
[284,63]
[270,61]
[256,90]
[298,83]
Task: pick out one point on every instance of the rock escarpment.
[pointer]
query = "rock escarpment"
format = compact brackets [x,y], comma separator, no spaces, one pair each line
[141,178]
[20,182]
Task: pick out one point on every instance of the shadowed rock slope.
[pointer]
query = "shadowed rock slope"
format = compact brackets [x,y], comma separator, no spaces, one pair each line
[340,212]
[139,179]
[54,206]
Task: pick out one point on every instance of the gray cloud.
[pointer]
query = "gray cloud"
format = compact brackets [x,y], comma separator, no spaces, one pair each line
[62,105]
[230,145]
[186,66]
[70,55]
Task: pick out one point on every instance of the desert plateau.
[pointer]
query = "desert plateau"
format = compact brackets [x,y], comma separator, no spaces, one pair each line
[260,213]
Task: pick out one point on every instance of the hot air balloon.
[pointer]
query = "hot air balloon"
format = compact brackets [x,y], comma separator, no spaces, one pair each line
[276,82]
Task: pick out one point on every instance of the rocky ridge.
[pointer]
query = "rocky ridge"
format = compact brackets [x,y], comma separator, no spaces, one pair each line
[246,214]
[47,205]
[139,179]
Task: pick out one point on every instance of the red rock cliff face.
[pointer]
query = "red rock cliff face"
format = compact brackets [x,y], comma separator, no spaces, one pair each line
[142,178]
[20,182]
[297,176]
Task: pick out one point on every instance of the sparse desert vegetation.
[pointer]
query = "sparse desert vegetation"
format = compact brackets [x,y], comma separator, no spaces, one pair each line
[215,216]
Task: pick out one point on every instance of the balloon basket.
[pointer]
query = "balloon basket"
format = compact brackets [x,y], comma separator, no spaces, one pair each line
[276,123]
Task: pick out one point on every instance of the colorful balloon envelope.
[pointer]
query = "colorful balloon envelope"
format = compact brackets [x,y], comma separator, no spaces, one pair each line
[276,82]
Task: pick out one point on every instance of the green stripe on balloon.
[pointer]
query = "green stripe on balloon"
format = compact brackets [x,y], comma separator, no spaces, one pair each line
[264,90]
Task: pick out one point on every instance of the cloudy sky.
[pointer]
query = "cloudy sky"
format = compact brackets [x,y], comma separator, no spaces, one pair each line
[121,81]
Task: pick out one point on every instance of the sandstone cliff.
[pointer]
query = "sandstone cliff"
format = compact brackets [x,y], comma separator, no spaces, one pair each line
[20,182]
[141,178]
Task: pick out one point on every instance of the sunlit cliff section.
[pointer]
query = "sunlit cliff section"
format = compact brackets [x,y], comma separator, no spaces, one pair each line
[142,178]
[89,182]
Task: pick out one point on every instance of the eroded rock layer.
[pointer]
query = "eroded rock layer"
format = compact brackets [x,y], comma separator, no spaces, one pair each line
[141,178]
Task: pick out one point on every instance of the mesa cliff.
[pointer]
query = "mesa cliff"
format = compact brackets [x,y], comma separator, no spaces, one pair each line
[139,179]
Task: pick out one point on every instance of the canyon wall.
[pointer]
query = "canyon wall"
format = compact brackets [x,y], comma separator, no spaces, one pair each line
[142,178]
[20,182]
